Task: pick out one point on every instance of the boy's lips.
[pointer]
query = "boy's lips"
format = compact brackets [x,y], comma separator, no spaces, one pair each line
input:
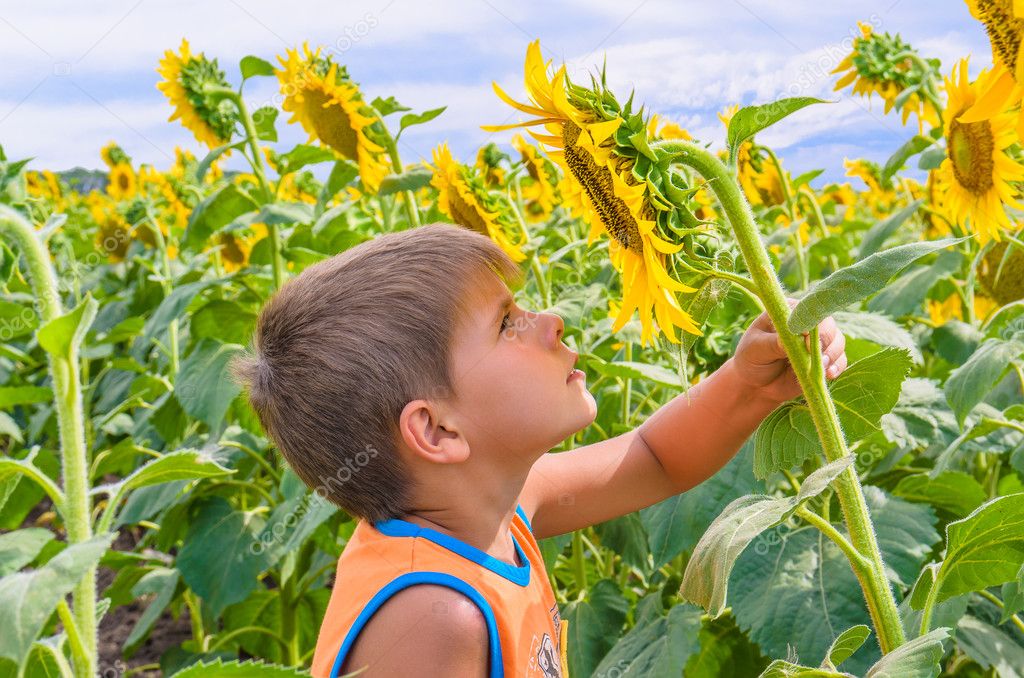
[573,372]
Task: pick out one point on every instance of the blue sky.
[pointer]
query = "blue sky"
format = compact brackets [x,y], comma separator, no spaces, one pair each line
[79,75]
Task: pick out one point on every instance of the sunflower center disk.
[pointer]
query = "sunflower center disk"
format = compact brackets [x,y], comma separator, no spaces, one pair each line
[970,149]
[331,123]
[1004,29]
[597,182]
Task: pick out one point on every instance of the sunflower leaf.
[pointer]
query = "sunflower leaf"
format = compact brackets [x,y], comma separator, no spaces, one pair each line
[263,119]
[410,119]
[750,120]
[845,644]
[252,66]
[915,145]
[880,232]
[706,579]
[918,658]
[970,383]
[410,180]
[854,283]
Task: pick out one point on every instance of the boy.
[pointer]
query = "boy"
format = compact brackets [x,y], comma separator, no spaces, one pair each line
[401,381]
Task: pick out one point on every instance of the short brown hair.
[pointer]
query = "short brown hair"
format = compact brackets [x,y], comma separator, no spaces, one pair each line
[341,348]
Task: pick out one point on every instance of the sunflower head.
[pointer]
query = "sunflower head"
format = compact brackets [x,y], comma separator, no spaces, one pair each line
[488,162]
[614,181]
[113,154]
[121,182]
[539,191]
[1004,23]
[328,104]
[978,173]
[185,80]
[464,197]
[884,64]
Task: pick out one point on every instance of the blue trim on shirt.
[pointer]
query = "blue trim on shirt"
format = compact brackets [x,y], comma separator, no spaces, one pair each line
[522,514]
[441,579]
[396,527]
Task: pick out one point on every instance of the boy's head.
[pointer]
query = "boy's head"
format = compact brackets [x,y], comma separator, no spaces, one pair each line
[378,371]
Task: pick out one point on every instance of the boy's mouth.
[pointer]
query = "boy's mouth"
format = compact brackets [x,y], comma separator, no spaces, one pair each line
[573,372]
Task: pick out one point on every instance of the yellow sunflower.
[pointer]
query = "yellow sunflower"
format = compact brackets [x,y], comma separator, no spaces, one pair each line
[1004,23]
[488,163]
[886,65]
[113,154]
[121,182]
[466,200]
[320,95]
[211,120]
[539,192]
[602,187]
[977,171]
[235,248]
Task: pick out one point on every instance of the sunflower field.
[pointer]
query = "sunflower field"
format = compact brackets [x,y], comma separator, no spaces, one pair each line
[873,527]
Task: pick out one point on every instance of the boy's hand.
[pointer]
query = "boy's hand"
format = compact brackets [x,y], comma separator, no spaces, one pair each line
[762,363]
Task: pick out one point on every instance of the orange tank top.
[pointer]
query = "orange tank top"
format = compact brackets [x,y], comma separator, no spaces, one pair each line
[526,634]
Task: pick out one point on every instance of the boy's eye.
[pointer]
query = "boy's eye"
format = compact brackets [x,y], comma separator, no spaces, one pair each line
[504,322]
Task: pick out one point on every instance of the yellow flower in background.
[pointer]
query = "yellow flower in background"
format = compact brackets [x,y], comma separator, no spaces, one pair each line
[121,182]
[113,155]
[488,163]
[726,115]
[977,171]
[466,201]
[942,312]
[235,248]
[539,193]
[669,130]
[887,66]
[328,105]
[601,188]
[185,75]
[1004,23]
[983,307]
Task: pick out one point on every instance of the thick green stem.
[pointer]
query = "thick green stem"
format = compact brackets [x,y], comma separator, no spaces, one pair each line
[259,171]
[412,213]
[64,373]
[877,592]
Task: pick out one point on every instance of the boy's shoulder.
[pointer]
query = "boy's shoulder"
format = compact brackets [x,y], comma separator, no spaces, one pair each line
[425,629]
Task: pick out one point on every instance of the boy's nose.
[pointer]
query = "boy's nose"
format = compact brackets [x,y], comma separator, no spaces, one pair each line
[558,327]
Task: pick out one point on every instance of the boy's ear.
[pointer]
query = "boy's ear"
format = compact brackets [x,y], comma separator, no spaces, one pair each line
[428,436]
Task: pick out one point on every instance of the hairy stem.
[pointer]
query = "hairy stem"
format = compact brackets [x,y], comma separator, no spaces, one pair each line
[877,592]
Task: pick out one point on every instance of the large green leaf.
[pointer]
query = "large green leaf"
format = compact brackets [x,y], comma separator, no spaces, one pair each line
[237,669]
[215,212]
[918,658]
[854,283]
[991,646]
[878,329]
[412,179]
[204,386]
[66,331]
[906,294]
[172,307]
[846,643]
[19,548]
[27,599]
[781,668]
[880,232]
[657,645]
[636,370]
[289,525]
[794,588]
[24,395]
[984,549]
[863,393]
[162,581]
[970,383]
[594,626]
[177,465]
[677,523]
[750,120]
[706,579]
[221,559]
[955,491]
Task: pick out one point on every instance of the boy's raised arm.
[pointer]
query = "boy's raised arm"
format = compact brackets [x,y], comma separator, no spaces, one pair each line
[682,444]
